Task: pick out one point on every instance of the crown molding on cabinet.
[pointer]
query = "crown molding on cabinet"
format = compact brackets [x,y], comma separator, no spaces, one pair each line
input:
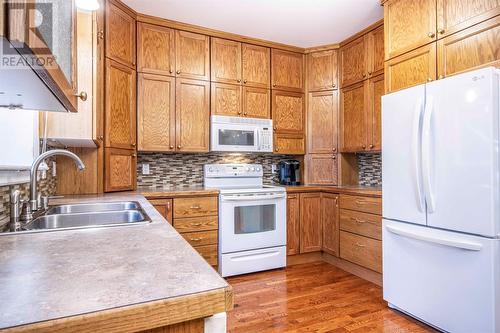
[362,32]
[322,48]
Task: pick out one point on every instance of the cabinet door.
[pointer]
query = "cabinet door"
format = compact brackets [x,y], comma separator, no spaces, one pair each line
[411,69]
[322,169]
[289,144]
[408,25]
[164,207]
[287,70]
[155,49]
[156,113]
[475,47]
[353,59]
[455,15]
[192,55]
[353,118]
[120,100]
[226,99]
[376,51]
[120,169]
[322,70]
[288,112]
[226,61]
[323,122]
[120,36]
[256,66]
[256,102]
[293,225]
[192,115]
[376,91]
[330,218]
[311,233]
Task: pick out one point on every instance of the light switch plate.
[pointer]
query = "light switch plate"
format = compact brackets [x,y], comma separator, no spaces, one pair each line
[145,169]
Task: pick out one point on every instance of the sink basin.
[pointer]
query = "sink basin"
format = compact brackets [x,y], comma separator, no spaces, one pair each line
[94,207]
[88,220]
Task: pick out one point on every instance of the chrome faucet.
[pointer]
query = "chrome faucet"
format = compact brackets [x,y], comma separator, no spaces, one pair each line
[33,204]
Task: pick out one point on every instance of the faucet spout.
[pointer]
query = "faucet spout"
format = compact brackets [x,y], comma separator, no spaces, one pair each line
[34,168]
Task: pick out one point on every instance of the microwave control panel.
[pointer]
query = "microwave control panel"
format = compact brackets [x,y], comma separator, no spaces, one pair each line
[266,139]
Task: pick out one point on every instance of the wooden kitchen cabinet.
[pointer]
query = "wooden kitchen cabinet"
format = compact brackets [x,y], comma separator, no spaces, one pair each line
[322,122]
[311,232]
[120,168]
[353,60]
[375,45]
[192,55]
[226,61]
[376,89]
[322,169]
[120,35]
[156,113]
[164,207]
[192,114]
[288,112]
[155,49]
[472,48]
[120,106]
[353,118]
[293,224]
[363,251]
[409,25]
[256,66]
[289,144]
[226,100]
[330,222]
[455,15]
[411,69]
[256,102]
[287,70]
[322,71]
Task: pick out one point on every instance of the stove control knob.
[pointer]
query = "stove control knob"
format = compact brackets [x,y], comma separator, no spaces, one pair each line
[258,169]
[248,169]
[253,169]
[210,169]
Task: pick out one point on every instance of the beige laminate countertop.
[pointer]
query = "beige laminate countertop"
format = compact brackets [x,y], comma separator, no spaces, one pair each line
[49,276]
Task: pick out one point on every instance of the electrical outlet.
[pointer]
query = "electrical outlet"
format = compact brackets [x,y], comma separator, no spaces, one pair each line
[274,168]
[54,169]
[145,169]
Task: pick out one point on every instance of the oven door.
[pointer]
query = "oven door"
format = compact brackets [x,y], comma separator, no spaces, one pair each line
[253,221]
[234,137]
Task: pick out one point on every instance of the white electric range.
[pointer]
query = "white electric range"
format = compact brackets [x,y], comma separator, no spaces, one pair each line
[252,219]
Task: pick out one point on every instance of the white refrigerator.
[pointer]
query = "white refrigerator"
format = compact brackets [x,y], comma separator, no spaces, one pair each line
[441,207]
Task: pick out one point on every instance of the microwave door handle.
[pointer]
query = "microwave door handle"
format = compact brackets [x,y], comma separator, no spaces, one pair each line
[258,139]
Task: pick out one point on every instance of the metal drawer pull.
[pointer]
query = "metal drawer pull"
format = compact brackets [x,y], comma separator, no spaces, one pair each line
[357,220]
[196,224]
[360,202]
[195,207]
[196,239]
[360,245]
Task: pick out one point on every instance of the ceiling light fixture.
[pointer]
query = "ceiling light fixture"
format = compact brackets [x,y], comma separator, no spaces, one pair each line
[90,5]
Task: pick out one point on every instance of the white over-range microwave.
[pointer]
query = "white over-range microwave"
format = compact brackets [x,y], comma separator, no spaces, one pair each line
[235,134]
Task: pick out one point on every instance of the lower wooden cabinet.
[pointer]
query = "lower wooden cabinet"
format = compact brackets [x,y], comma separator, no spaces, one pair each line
[293,224]
[361,250]
[164,207]
[330,222]
[310,222]
[322,169]
[120,169]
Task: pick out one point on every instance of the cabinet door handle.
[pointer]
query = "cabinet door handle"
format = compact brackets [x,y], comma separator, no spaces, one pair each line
[245,81]
[134,155]
[178,71]
[179,147]
[83,96]
[372,146]
[334,157]
[274,84]
[333,85]
[172,147]
[431,34]
[277,149]
[168,206]
[364,146]
[171,71]
[238,80]
[441,31]
[429,79]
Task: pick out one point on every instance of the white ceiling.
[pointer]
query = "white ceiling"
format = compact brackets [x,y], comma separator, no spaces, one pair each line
[303,23]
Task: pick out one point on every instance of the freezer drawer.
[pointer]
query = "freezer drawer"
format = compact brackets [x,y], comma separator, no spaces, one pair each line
[447,279]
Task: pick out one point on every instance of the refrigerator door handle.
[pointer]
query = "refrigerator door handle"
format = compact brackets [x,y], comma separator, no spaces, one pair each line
[426,154]
[464,245]
[416,153]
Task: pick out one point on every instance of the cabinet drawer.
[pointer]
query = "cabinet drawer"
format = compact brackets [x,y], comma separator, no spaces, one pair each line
[362,204]
[192,207]
[192,224]
[209,253]
[361,250]
[363,224]
[201,238]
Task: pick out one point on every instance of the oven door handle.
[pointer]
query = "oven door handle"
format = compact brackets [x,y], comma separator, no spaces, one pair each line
[253,198]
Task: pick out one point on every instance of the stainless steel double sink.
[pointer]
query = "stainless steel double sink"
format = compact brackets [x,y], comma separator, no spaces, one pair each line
[89,215]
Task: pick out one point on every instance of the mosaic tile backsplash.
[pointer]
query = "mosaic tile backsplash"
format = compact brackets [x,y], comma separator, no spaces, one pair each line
[370,169]
[186,170]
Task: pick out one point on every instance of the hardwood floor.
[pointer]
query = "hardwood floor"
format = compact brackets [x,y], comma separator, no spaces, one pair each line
[315,297]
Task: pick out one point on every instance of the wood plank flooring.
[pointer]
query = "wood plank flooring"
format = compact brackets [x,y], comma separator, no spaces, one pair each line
[315,297]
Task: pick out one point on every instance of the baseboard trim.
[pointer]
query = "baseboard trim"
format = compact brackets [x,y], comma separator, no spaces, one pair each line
[357,270]
[303,258]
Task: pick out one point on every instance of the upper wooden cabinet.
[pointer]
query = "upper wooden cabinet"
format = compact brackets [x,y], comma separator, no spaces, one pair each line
[322,122]
[311,232]
[322,169]
[330,221]
[192,55]
[288,112]
[226,100]
[287,71]
[353,60]
[376,89]
[322,70]
[155,49]
[410,69]
[156,113]
[289,144]
[455,15]
[256,66]
[475,47]
[375,44]
[353,118]
[408,25]
[120,106]
[256,102]
[192,115]
[120,36]
[226,61]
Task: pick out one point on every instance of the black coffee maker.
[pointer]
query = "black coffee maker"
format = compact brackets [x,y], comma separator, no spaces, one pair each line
[289,172]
